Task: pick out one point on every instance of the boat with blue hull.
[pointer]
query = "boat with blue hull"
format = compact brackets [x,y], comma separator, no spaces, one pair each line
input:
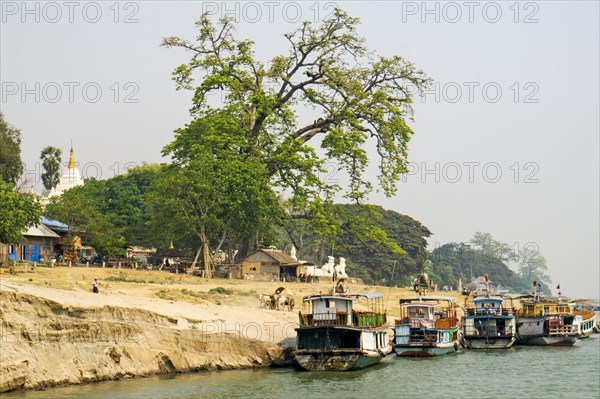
[427,326]
[344,331]
[488,324]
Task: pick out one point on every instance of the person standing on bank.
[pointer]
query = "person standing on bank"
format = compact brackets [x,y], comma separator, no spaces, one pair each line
[95,286]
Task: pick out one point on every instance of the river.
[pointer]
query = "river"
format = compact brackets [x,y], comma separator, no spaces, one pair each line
[520,372]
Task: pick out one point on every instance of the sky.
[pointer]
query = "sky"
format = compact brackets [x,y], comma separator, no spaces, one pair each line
[506,140]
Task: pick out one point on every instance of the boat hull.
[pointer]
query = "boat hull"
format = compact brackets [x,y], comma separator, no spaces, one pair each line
[488,343]
[548,340]
[425,351]
[338,360]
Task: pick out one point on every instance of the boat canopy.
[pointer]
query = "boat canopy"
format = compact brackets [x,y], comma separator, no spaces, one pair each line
[421,304]
[428,298]
[483,300]
[346,295]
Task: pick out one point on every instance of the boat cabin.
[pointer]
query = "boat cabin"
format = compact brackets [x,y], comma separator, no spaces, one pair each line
[488,306]
[359,310]
[538,309]
[427,312]
[419,315]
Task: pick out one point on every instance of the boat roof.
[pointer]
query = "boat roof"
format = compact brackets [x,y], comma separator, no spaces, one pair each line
[428,298]
[478,300]
[421,304]
[546,302]
[346,296]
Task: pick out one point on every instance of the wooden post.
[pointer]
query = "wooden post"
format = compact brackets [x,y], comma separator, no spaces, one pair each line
[69,263]
[87,264]
[103,264]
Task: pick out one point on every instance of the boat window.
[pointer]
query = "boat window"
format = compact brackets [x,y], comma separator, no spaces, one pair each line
[331,304]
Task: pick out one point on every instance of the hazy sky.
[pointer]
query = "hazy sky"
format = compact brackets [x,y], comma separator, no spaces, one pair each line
[506,142]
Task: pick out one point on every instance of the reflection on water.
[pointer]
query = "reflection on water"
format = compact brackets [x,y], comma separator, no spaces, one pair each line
[524,372]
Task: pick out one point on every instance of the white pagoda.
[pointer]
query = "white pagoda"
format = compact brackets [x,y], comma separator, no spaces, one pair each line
[71,178]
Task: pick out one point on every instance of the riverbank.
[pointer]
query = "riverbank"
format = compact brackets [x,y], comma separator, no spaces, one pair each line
[55,331]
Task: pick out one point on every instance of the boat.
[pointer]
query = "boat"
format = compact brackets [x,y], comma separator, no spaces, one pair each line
[341,331]
[489,325]
[427,326]
[585,317]
[547,322]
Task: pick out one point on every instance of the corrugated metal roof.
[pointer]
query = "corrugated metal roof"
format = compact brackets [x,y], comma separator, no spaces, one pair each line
[40,231]
[266,255]
[54,224]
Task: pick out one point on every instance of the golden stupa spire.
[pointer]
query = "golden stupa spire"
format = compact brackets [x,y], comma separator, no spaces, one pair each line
[72,158]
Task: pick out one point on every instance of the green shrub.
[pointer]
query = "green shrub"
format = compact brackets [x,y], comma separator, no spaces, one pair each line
[220,290]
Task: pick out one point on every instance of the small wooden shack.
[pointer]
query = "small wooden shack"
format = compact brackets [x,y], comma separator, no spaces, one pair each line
[268,264]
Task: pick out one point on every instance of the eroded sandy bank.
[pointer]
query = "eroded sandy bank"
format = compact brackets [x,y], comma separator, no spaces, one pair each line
[55,337]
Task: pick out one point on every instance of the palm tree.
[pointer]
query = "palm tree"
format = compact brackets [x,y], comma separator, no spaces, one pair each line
[51,162]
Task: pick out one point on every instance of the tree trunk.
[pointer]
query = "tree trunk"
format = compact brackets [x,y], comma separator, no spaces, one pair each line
[191,269]
[205,253]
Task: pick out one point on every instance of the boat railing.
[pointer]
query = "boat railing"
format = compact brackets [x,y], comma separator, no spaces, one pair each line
[368,319]
[417,322]
[489,312]
[541,311]
[423,338]
[359,319]
[488,331]
[566,329]
[323,319]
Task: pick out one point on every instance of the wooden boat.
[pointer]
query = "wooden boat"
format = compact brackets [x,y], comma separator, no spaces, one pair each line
[489,325]
[427,326]
[546,322]
[585,317]
[336,334]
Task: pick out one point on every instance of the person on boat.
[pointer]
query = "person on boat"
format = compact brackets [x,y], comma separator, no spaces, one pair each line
[95,285]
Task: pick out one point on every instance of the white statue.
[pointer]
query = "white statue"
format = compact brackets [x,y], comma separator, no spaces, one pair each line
[328,268]
[293,252]
[340,269]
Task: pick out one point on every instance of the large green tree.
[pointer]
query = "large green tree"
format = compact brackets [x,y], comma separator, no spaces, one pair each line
[214,190]
[81,209]
[125,200]
[357,98]
[18,212]
[11,165]
[460,261]
[50,157]
[378,244]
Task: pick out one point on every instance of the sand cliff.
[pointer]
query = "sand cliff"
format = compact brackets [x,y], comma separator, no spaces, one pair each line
[55,337]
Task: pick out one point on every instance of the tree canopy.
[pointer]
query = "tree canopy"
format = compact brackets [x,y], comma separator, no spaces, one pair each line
[485,255]
[213,191]
[378,244]
[11,165]
[18,212]
[109,214]
[50,157]
[357,97]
